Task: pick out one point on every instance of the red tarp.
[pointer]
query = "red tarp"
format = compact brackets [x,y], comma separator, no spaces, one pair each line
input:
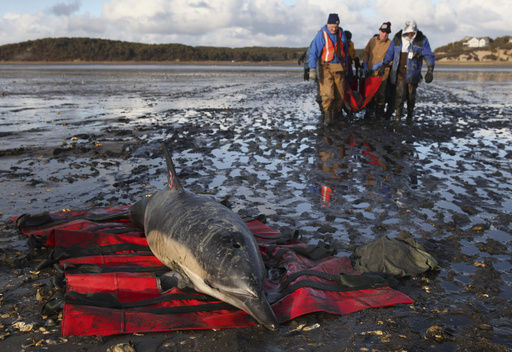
[306,285]
[358,97]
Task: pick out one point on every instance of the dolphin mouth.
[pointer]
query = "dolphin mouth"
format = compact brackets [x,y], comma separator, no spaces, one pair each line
[259,308]
[256,305]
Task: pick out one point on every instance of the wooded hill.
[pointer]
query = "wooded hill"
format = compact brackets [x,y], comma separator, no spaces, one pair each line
[497,50]
[89,49]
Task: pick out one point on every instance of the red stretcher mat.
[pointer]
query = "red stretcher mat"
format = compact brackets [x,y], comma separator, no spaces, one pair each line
[113,287]
[361,91]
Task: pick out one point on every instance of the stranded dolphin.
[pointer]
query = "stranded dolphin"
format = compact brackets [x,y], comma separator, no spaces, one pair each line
[208,244]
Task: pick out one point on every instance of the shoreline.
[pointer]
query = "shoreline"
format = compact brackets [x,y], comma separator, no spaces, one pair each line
[142,63]
[230,63]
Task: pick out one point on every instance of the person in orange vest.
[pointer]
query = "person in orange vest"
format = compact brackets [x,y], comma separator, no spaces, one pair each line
[329,50]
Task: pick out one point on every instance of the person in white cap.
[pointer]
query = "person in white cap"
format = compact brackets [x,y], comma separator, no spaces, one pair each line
[407,50]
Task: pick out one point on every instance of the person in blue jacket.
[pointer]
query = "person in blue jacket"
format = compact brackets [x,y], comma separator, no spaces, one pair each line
[329,50]
[407,50]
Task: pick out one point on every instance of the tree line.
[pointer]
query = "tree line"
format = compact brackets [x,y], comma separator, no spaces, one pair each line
[90,50]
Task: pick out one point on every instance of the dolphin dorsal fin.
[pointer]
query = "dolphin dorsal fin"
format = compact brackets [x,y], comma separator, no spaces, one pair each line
[173,182]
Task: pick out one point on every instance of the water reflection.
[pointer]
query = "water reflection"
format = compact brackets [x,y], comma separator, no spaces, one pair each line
[463,74]
[350,164]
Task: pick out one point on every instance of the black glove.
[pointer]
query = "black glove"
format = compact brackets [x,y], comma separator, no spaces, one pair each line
[429,76]
[301,59]
[306,74]
[382,70]
[357,63]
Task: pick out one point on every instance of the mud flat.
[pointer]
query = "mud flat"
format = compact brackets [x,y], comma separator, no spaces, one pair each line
[90,137]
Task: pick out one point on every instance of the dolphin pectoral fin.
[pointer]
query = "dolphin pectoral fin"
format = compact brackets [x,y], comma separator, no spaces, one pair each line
[172,279]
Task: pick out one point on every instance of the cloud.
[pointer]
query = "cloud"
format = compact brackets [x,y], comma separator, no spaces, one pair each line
[87,26]
[237,23]
[63,9]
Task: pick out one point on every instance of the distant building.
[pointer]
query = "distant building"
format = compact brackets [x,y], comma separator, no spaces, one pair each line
[475,42]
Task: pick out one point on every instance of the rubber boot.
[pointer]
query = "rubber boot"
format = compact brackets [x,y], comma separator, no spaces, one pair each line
[370,107]
[410,109]
[409,115]
[379,112]
[398,114]
[338,117]
[389,113]
[401,97]
[329,119]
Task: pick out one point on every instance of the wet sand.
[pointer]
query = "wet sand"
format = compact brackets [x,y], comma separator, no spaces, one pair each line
[87,138]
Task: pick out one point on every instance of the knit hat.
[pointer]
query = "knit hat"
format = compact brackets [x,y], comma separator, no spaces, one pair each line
[333,19]
[386,27]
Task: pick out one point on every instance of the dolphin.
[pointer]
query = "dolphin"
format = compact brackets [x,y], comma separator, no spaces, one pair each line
[208,244]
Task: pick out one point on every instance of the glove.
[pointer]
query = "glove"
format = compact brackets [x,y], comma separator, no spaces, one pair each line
[382,70]
[376,66]
[429,76]
[301,59]
[365,69]
[306,74]
[312,74]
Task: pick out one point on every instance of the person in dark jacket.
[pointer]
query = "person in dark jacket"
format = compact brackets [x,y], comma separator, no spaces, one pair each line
[407,50]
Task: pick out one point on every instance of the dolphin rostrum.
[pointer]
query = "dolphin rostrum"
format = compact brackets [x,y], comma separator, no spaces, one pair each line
[207,243]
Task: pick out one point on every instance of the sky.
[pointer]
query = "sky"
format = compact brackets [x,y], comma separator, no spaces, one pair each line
[240,23]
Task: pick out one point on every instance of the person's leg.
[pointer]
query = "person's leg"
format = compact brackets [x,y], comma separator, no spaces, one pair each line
[326,82]
[339,98]
[380,100]
[369,110]
[390,99]
[411,100]
[337,104]
[401,96]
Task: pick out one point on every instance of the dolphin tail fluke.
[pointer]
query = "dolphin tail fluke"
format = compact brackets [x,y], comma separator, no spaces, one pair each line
[172,178]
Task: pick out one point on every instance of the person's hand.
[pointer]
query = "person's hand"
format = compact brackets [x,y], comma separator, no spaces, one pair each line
[382,70]
[429,76]
[312,74]
[301,59]
[376,66]
[306,74]
[365,69]
[357,63]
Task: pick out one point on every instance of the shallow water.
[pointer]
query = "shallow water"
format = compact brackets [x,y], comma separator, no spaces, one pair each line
[251,135]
